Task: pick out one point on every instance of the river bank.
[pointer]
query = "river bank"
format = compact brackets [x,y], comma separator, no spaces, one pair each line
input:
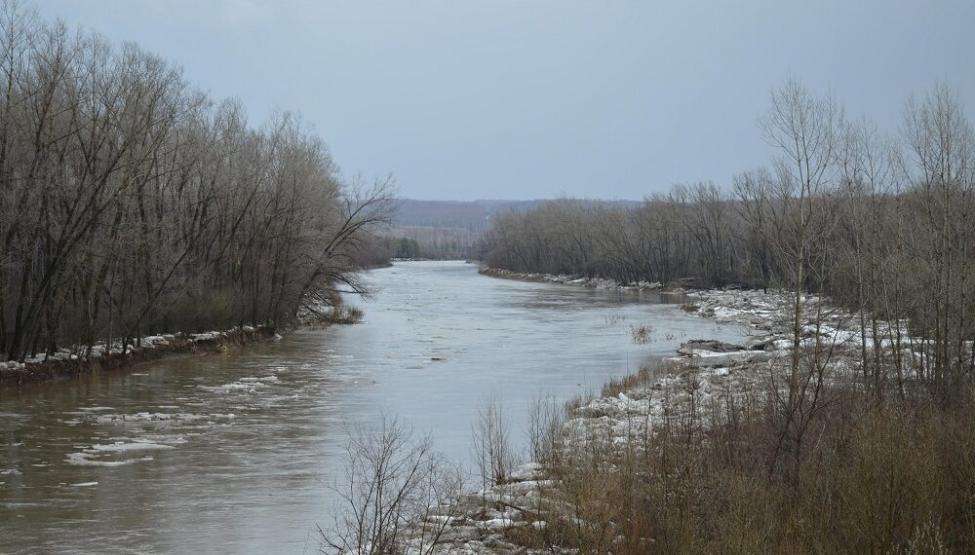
[66,363]
[565,279]
[537,504]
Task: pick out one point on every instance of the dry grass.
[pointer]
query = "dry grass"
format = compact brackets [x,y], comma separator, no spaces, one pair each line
[896,477]
[345,315]
[646,374]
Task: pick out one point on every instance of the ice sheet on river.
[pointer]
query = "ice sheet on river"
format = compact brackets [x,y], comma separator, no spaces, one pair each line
[243,385]
[120,452]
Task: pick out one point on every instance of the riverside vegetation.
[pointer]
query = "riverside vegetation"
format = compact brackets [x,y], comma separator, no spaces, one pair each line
[844,425]
[133,204]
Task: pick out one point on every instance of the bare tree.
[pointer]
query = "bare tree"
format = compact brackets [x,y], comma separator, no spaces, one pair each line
[941,143]
[492,445]
[397,492]
[803,130]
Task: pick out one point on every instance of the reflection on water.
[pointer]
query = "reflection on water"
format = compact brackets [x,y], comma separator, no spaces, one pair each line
[233,453]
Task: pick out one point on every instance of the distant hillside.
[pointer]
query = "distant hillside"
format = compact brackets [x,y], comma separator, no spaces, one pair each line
[474,216]
[470,216]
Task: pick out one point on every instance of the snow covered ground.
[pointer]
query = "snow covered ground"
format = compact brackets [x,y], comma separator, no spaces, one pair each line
[596,283]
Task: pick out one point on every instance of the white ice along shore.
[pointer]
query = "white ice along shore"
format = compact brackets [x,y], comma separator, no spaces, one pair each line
[565,279]
[702,373]
[100,350]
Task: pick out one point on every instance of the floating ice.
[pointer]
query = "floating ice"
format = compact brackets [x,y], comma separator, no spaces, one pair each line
[157,417]
[121,447]
[86,459]
[239,386]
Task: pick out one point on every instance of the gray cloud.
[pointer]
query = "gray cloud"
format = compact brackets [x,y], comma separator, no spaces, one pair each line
[516,99]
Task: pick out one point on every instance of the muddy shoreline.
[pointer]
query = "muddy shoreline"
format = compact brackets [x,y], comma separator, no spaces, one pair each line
[67,366]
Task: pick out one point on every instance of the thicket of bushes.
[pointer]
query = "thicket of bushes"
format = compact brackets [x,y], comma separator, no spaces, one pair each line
[132,203]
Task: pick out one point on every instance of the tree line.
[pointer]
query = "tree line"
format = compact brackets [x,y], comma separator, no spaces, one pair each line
[880,221]
[132,203]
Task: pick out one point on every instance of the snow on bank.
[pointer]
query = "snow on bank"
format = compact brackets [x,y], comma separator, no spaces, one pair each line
[65,361]
[594,282]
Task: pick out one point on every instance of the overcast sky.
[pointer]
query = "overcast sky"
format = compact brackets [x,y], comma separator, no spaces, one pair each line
[532,99]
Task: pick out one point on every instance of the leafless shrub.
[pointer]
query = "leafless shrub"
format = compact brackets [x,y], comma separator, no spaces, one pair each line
[495,456]
[397,492]
[642,334]
[544,426]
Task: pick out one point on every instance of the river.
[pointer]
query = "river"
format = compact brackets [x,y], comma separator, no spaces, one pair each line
[235,452]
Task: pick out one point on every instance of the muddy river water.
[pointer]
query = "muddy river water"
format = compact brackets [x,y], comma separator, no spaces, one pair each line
[235,452]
